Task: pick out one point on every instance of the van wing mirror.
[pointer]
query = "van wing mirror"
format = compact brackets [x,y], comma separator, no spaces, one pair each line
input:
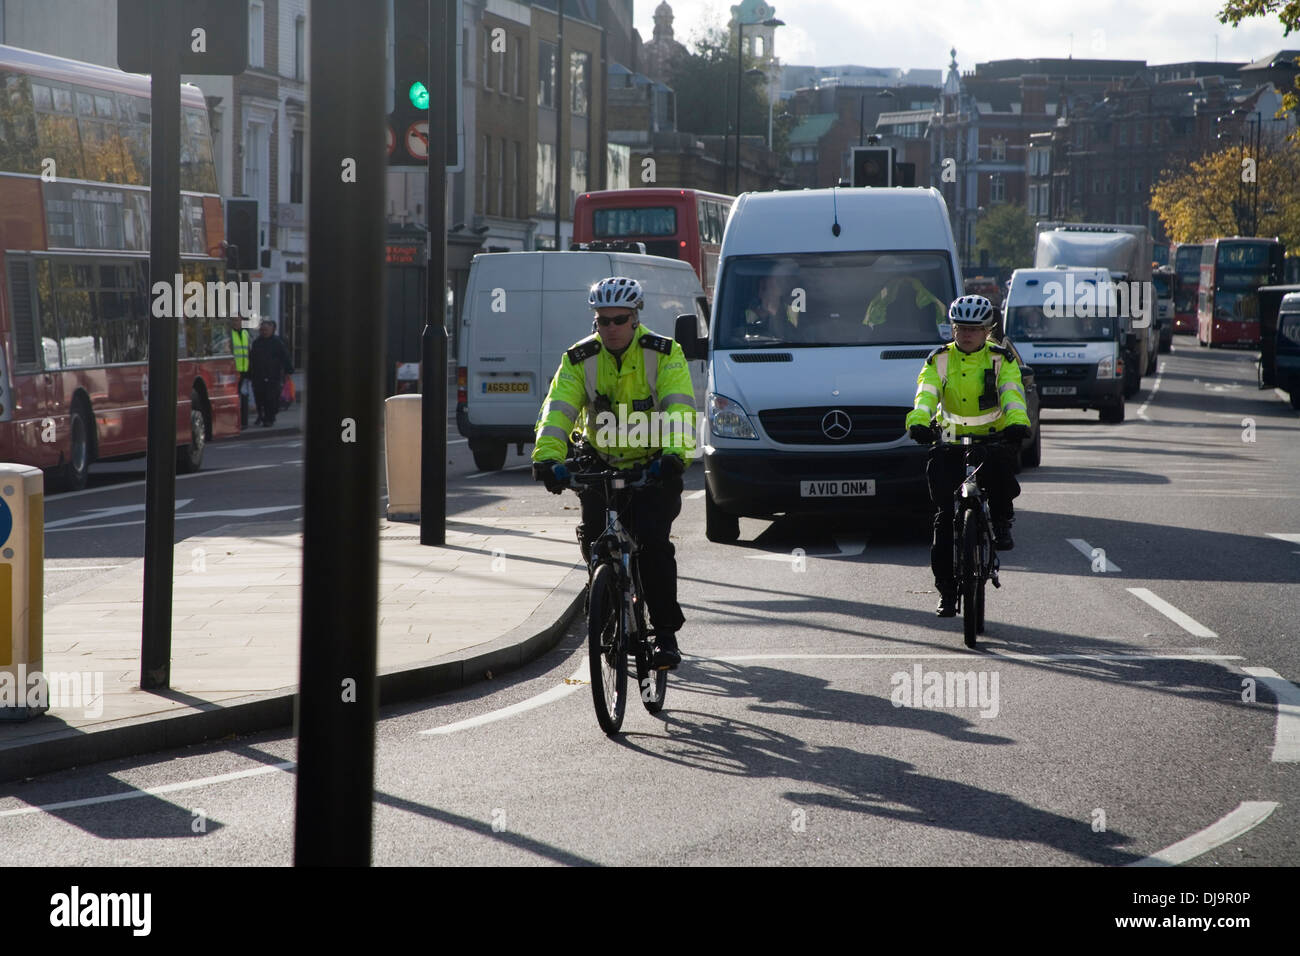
[685,332]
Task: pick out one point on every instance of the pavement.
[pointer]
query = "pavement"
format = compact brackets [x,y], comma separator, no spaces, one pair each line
[500,593]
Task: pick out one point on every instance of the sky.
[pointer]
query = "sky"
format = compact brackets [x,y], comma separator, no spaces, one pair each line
[912,35]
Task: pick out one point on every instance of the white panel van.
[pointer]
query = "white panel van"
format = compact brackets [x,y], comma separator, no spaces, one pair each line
[828,302]
[522,310]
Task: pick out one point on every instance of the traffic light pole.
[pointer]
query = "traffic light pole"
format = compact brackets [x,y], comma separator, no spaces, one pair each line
[164,263]
[337,702]
[433,341]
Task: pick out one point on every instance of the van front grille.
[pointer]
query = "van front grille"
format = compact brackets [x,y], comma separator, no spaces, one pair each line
[762,357]
[1047,374]
[866,424]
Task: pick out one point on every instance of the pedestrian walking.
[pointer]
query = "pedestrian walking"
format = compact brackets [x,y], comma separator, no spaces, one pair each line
[268,360]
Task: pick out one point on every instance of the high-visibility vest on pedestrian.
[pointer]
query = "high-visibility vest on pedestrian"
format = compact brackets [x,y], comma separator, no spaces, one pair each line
[952,383]
[239,339]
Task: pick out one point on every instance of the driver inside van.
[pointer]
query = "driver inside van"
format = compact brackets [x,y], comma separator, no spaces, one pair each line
[908,306]
[772,311]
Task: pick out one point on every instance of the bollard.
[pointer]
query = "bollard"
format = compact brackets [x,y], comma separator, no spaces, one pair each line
[23,691]
[402,414]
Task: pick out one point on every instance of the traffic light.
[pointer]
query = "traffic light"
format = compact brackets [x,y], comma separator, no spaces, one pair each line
[873,166]
[408,134]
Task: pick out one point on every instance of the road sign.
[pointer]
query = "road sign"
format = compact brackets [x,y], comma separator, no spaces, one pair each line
[208,37]
[417,140]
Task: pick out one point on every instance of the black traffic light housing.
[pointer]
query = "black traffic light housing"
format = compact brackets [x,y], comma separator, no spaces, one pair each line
[873,166]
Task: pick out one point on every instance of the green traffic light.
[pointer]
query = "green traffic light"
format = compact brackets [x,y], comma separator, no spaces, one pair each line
[419,94]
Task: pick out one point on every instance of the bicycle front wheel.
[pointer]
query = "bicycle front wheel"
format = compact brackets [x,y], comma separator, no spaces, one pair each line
[970,576]
[607,649]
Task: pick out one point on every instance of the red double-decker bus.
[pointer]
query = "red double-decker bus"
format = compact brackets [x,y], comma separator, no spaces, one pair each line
[684,224]
[1232,270]
[1187,280]
[74,269]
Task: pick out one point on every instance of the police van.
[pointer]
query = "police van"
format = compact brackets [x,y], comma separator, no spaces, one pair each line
[522,310]
[828,301]
[1069,324]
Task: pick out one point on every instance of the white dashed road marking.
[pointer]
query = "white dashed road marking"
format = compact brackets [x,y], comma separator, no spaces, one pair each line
[1188,624]
[1286,738]
[1246,817]
[1086,549]
[570,684]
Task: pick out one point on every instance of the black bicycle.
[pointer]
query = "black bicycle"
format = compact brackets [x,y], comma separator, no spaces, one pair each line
[616,615]
[975,557]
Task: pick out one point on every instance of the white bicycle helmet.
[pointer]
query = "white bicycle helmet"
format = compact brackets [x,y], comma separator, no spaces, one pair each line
[971,311]
[614,291]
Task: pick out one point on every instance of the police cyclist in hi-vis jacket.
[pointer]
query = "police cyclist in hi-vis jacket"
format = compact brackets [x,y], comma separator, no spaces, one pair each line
[629,390]
[972,387]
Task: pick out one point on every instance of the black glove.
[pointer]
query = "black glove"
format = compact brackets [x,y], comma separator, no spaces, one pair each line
[666,467]
[553,474]
[1015,433]
[921,434]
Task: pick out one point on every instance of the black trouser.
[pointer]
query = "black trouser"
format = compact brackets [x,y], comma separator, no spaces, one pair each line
[243,401]
[944,473]
[267,391]
[649,518]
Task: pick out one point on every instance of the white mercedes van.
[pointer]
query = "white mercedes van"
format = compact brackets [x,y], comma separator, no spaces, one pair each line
[828,301]
[522,310]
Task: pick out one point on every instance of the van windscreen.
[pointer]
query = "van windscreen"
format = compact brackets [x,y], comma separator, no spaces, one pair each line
[834,299]
[1033,323]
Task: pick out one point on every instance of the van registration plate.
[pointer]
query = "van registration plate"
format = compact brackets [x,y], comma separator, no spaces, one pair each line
[1058,389]
[490,387]
[837,488]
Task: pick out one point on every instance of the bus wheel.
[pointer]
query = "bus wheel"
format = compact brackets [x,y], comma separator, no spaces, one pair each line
[189,458]
[73,475]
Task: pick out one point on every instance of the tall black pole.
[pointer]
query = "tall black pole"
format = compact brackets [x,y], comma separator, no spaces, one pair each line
[1259,162]
[433,341]
[740,63]
[862,117]
[164,264]
[340,582]
[560,164]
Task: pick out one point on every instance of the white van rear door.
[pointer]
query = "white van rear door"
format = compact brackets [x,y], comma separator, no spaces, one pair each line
[505,383]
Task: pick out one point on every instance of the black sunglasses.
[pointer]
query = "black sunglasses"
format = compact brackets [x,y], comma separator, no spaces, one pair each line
[605,320]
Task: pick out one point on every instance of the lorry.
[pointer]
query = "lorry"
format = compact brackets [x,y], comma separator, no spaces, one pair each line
[1125,251]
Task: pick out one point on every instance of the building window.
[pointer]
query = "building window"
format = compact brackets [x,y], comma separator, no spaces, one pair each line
[501,179]
[519,181]
[546,75]
[255,42]
[579,82]
[1137,135]
[1122,180]
[577,175]
[516,68]
[546,178]
[487,58]
[464,61]
[1123,135]
[295,166]
[997,187]
[255,165]
[1137,182]
[485,172]
[1106,183]
[1155,133]
[999,149]
[299,48]
[1096,184]
[501,69]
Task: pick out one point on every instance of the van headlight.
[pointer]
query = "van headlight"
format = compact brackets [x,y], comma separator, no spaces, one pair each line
[727,419]
[1106,367]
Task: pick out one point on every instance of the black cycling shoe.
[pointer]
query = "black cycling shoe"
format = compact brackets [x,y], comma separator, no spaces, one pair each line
[947,604]
[666,654]
[1002,536]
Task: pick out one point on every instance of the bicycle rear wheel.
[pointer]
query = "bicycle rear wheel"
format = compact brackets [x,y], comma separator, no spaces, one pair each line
[607,650]
[970,576]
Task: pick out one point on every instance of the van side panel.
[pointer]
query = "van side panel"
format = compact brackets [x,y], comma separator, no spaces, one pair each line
[503,344]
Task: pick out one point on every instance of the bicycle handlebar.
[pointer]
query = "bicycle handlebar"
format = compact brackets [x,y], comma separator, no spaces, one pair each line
[632,477]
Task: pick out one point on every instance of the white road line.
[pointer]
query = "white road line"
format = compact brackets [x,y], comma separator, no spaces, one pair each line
[1188,624]
[695,494]
[88,567]
[1289,538]
[152,791]
[1286,738]
[1247,816]
[480,474]
[140,484]
[1006,655]
[848,548]
[570,684]
[1155,386]
[1086,549]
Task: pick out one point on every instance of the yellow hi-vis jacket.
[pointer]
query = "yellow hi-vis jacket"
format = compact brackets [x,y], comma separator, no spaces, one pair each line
[627,412]
[239,343]
[951,383]
[922,296]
